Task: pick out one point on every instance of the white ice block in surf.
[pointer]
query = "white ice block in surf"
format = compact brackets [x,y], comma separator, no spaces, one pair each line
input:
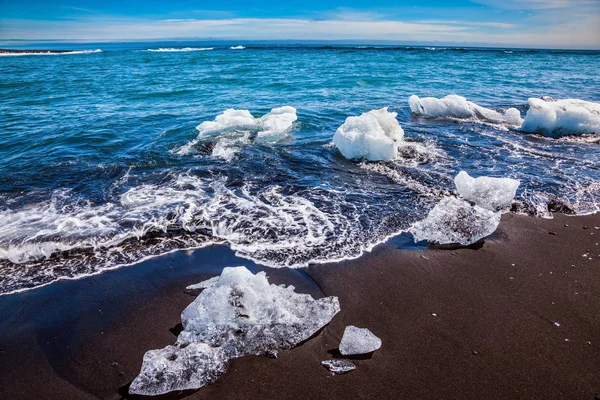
[491,193]
[238,314]
[557,118]
[373,136]
[454,106]
[358,341]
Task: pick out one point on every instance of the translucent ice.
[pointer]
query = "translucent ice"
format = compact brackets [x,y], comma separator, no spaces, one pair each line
[453,106]
[372,136]
[204,284]
[454,220]
[338,367]
[358,341]
[491,193]
[557,118]
[237,314]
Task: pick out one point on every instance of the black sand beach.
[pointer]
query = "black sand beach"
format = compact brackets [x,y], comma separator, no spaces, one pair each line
[517,318]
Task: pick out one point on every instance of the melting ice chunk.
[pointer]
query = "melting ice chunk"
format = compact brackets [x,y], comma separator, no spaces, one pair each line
[454,220]
[237,314]
[358,341]
[233,127]
[372,136]
[338,367]
[562,117]
[453,106]
[491,193]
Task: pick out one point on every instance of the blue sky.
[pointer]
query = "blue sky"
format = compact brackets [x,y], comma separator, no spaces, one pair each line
[528,23]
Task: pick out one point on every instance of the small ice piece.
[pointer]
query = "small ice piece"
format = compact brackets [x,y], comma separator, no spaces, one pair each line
[358,341]
[373,136]
[493,194]
[562,117]
[204,284]
[454,220]
[238,314]
[454,106]
[338,367]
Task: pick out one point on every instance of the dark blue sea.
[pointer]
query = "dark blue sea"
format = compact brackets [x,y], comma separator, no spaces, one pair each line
[101,164]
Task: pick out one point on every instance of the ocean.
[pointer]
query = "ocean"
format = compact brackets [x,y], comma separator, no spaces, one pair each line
[102,164]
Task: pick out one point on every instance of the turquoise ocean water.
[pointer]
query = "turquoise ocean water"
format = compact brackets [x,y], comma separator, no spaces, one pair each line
[100,164]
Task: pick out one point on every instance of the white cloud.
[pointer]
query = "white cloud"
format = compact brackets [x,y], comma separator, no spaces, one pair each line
[536,4]
[577,33]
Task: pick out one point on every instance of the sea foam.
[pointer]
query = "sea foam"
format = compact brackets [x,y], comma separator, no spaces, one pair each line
[238,314]
[179,49]
[50,53]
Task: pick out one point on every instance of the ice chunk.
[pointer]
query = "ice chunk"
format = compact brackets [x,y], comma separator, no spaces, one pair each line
[338,367]
[454,220]
[204,284]
[562,117]
[373,136]
[238,314]
[453,106]
[491,193]
[358,341]
[276,124]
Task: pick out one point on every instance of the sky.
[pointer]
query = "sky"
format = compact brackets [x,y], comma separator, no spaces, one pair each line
[515,23]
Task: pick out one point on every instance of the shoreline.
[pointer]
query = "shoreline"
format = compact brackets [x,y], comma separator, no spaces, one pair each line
[492,336]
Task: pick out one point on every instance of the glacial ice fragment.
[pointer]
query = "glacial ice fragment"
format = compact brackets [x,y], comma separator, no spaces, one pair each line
[358,341]
[558,118]
[490,193]
[338,367]
[373,136]
[238,314]
[454,220]
[454,106]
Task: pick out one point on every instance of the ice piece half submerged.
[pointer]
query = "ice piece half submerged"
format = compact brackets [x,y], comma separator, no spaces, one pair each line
[358,341]
[238,314]
[470,218]
[373,136]
[454,106]
[557,118]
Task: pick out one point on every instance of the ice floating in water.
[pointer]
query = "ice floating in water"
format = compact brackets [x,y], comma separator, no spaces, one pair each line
[233,127]
[453,106]
[557,118]
[374,136]
[338,367]
[240,314]
[454,220]
[491,193]
[358,341]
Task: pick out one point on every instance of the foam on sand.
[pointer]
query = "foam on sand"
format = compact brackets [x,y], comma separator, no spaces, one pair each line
[179,49]
[454,106]
[493,194]
[239,314]
[373,136]
[358,341]
[556,118]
